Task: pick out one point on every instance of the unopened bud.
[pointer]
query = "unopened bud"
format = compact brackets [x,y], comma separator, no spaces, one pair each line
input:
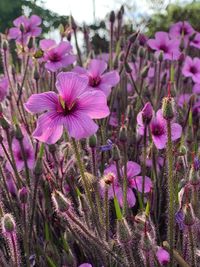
[189,218]
[115,153]
[123,134]
[8,223]
[133,37]
[168,108]
[112,17]
[60,202]
[23,195]
[93,141]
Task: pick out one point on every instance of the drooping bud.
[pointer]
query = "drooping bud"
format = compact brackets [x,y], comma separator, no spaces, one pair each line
[5,45]
[18,133]
[144,72]
[73,23]
[128,67]
[112,17]
[133,37]
[23,195]
[160,58]
[93,141]
[36,74]
[168,108]
[183,150]
[123,134]
[146,242]
[60,202]
[162,256]
[8,224]
[141,52]
[189,218]
[115,153]
[124,235]
[147,113]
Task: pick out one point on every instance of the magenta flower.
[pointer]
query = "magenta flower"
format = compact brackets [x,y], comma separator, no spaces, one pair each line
[74,108]
[144,117]
[29,26]
[97,79]
[134,181]
[57,56]
[162,43]
[196,41]
[4,85]
[181,29]
[196,88]
[29,153]
[162,256]
[191,68]
[158,129]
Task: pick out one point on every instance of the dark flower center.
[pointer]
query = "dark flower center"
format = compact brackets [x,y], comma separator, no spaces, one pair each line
[20,155]
[66,109]
[193,70]
[54,57]
[164,48]
[157,129]
[184,30]
[94,81]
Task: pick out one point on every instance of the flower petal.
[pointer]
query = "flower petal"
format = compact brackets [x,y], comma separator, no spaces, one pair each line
[49,128]
[79,125]
[94,104]
[137,183]
[42,102]
[97,67]
[70,85]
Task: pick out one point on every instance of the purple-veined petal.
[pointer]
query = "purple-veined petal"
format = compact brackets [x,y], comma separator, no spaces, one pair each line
[137,183]
[41,102]
[70,86]
[176,130]
[49,128]
[94,104]
[79,125]
[97,67]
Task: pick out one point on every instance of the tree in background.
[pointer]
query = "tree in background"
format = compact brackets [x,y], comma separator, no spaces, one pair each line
[175,12]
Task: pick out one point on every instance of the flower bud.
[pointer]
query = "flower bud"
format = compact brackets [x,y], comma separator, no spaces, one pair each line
[60,202]
[36,74]
[73,23]
[147,113]
[112,17]
[144,72]
[4,123]
[8,223]
[162,256]
[18,133]
[124,235]
[38,167]
[123,134]
[115,153]
[146,242]
[127,67]
[160,58]
[132,38]
[168,108]
[183,150]
[5,45]
[189,218]
[141,52]
[23,195]
[93,141]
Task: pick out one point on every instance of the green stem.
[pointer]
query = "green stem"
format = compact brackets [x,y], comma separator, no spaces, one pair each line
[125,181]
[171,191]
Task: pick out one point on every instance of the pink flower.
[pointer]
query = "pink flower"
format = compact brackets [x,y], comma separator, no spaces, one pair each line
[162,256]
[97,79]
[158,128]
[191,68]
[162,43]
[29,153]
[57,56]
[196,88]
[134,181]
[183,100]
[196,41]
[4,85]
[29,26]
[181,29]
[74,108]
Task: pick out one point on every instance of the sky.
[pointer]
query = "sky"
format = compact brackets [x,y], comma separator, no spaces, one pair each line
[82,10]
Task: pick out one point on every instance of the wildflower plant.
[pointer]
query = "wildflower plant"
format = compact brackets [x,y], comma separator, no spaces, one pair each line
[99,152]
